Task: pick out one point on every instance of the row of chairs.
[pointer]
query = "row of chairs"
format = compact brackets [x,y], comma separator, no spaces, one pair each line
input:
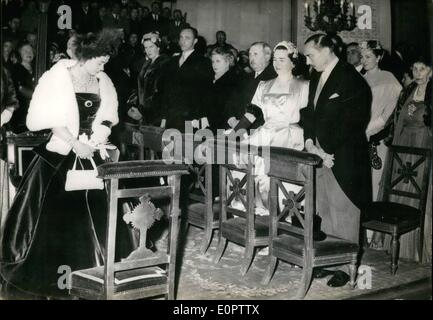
[297,245]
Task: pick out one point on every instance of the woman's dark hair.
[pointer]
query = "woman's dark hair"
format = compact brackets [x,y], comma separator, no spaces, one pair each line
[299,61]
[105,43]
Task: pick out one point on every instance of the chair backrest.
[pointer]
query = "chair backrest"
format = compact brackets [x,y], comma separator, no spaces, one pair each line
[233,187]
[407,173]
[112,172]
[152,141]
[297,168]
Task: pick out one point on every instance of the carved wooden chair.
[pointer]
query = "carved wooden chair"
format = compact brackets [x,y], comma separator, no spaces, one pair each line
[240,226]
[301,244]
[131,142]
[406,175]
[201,210]
[152,143]
[143,274]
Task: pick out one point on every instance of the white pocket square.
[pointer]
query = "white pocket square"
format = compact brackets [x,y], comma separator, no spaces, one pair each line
[334,95]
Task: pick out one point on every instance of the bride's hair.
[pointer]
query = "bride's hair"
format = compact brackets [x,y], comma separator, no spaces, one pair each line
[299,62]
[91,45]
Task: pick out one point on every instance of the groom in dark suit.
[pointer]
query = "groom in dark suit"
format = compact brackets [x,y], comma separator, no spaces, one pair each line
[334,125]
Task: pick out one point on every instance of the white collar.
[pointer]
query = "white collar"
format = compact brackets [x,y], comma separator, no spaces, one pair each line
[359,68]
[187,53]
[328,69]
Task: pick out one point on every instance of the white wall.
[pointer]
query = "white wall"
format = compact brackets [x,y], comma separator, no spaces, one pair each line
[245,21]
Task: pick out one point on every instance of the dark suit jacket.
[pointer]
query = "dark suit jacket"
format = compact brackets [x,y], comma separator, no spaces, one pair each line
[339,125]
[185,89]
[245,91]
[149,24]
[174,31]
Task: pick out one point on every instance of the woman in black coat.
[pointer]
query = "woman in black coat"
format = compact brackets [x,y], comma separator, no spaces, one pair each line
[149,81]
[224,83]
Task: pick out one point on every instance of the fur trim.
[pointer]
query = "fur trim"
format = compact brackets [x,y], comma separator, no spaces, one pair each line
[54,104]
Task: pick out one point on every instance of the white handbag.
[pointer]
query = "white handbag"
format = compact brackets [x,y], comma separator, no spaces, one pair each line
[83,179]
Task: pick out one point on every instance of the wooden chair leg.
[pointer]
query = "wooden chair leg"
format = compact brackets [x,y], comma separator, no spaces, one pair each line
[248,259]
[307,274]
[207,240]
[220,250]
[421,244]
[395,249]
[353,272]
[270,270]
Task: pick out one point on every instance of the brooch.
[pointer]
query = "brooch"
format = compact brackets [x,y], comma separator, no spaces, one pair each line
[88,103]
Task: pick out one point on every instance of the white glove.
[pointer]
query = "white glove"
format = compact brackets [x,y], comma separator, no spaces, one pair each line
[233,122]
[204,123]
[5,116]
[328,161]
[195,124]
[135,114]
[100,134]
[103,150]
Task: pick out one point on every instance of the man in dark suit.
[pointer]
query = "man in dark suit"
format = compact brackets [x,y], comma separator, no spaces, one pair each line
[155,21]
[260,54]
[176,26]
[186,82]
[82,20]
[334,125]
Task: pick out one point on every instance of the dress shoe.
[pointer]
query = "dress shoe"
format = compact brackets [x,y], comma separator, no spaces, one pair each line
[339,279]
[319,273]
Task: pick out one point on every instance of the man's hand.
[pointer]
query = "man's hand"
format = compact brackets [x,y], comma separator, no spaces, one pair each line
[232,122]
[5,116]
[328,159]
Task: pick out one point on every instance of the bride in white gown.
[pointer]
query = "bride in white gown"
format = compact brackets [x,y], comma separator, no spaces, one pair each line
[280,101]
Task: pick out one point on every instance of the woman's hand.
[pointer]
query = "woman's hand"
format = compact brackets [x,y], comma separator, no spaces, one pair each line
[82,150]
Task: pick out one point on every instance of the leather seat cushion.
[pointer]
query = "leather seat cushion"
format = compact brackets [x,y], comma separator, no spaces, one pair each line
[391,212]
[330,246]
[237,224]
[197,209]
[93,279]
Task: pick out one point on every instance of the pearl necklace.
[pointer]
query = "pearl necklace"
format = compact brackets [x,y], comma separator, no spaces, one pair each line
[83,81]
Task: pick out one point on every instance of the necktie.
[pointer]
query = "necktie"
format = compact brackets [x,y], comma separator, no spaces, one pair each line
[182,59]
[318,90]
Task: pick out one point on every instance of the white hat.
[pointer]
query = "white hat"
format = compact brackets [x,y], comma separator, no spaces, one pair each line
[289,46]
